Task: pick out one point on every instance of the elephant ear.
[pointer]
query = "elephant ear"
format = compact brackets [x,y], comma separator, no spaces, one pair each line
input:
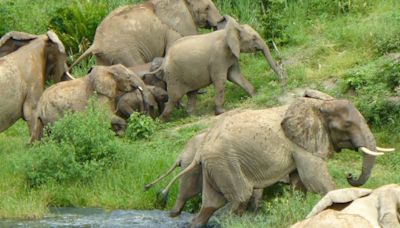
[303,125]
[12,41]
[345,195]
[54,39]
[176,15]
[103,81]
[233,36]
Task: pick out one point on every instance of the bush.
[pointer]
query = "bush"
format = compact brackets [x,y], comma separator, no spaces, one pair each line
[374,83]
[140,127]
[80,145]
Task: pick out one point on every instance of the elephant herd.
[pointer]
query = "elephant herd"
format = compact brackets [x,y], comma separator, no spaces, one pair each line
[148,56]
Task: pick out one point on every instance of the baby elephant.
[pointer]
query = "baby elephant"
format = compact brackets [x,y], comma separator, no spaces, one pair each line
[134,102]
[108,82]
[194,62]
[356,207]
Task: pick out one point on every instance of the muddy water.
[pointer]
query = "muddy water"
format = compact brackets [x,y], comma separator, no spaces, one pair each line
[89,217]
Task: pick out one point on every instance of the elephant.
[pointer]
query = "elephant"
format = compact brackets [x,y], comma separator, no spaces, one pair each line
[191,182]
[107,82]
[150,73]
[194,62]
[135,34]
[254,149]
[356,207]
[133,101]
[27,61]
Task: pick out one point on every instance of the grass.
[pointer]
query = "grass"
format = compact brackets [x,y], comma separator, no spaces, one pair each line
[317,43]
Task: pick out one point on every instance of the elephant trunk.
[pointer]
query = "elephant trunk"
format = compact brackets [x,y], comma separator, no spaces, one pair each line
[368,158]
[279,72]
[368,164]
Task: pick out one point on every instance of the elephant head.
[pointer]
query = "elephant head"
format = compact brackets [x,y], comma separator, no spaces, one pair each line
[243,38]
[321,125]
[160,95]
[185,16]
[54,52]
[111,81]
[155,76]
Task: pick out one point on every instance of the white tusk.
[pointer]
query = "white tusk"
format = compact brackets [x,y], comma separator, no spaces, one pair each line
[69,75]
[370,152]
[380,149]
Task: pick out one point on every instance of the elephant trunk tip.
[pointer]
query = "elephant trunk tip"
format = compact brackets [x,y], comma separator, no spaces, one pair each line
[355,183]
[147,187]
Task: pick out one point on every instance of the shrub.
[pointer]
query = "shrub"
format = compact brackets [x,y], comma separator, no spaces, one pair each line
[374,83]
[140,127]
[80,145]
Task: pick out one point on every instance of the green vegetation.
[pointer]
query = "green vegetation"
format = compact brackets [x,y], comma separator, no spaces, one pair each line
[348,48]
[140,127]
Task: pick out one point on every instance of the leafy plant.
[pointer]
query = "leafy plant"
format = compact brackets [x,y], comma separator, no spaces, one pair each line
[76,24]
[140,127]
[79,146]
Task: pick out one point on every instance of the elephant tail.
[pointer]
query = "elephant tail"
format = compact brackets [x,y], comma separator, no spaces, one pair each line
[173,167]
[87,53]
[165,191]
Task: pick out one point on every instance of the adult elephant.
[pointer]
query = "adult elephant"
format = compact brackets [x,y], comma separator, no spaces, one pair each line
[136,34]
[254,149]
[194,62]
[27,62]
[356,207]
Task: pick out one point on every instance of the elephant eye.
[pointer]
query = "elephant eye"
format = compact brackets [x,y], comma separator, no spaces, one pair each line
[208,7]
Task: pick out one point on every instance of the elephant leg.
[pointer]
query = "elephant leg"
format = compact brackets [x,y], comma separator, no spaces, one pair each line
[219,96]
[306,164]
[255,200]
[173,99]
[211,201]
[191,102]
[296,183]
[236,77]
[38,130]
[190,186]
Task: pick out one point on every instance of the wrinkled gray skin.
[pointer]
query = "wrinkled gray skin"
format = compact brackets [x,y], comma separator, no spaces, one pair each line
[356,207]
[136,34]
[254,149]
[133,102]
[154,79]
[27,62]
[191,182]
[107,82]
[194,62]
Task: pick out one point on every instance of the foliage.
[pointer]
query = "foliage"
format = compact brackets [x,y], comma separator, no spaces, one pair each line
[140,126]
[76,24]
[79,146]
[374,84]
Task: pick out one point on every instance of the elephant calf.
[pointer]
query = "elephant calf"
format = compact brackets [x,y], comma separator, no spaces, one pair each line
[108,82]
[195,62]
[356,207]
[134,102]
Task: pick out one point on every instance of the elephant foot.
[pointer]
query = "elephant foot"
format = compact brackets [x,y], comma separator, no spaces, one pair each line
[174,213]
[219,111]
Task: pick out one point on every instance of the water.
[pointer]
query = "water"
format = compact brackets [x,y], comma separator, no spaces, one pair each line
[91,217]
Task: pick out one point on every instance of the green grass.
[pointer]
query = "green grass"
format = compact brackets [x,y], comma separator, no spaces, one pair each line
[318,40]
